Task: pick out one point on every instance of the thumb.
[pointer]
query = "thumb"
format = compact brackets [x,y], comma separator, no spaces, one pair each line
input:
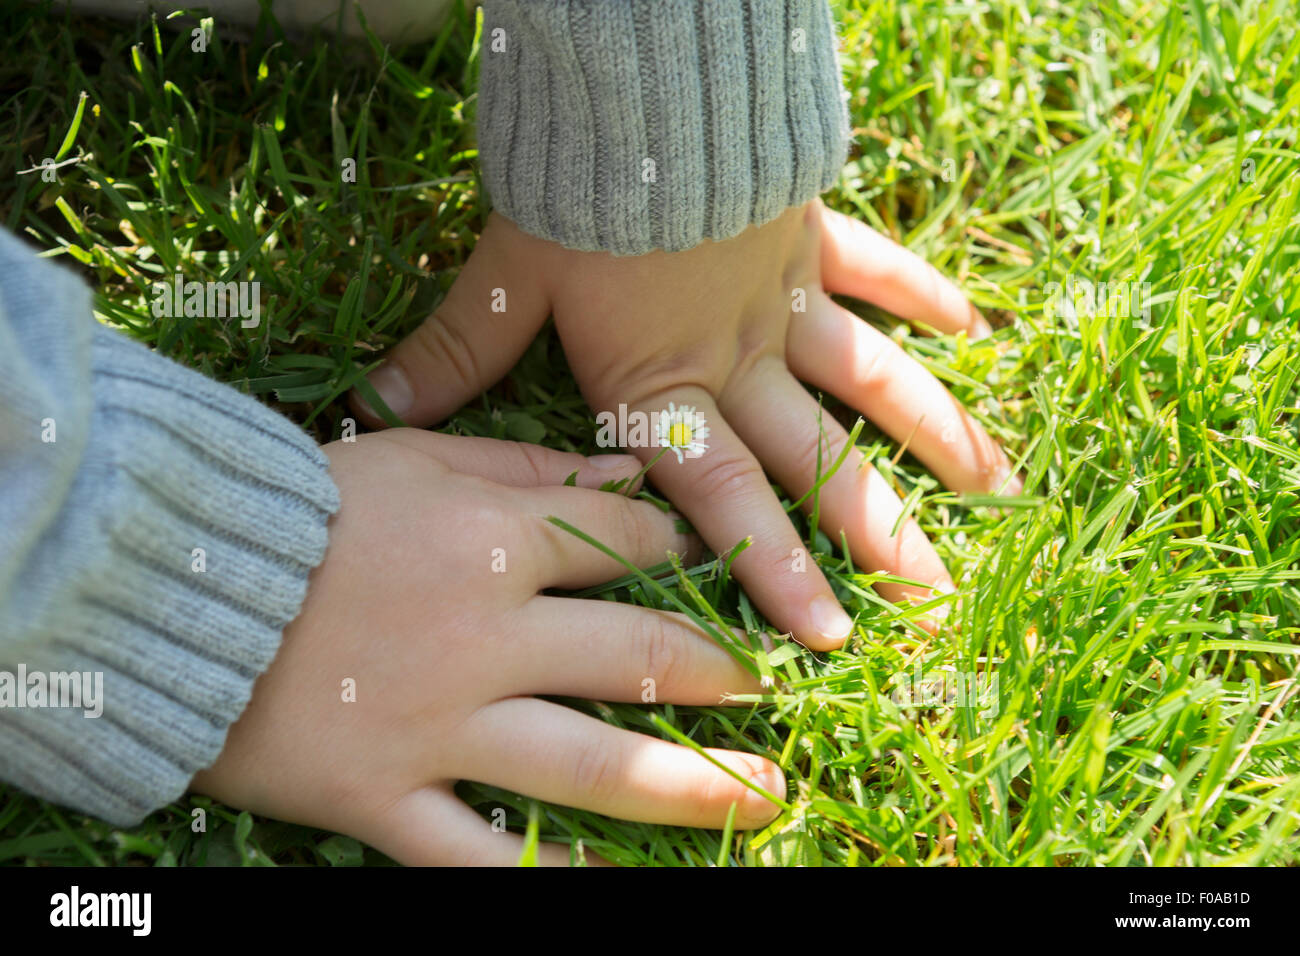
[490,315]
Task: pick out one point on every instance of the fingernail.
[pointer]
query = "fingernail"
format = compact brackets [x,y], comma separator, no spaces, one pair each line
[1007,483]
[393,387]
[773,781]
[754,808]
[830,620]
[940,611]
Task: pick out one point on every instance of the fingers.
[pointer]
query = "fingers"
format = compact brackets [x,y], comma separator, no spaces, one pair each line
[518,464]
[491,313]
[727,497]
[860,262]
[832,349]
[635,530]
[779,420]
[606,651]
[432,827]
[556,754]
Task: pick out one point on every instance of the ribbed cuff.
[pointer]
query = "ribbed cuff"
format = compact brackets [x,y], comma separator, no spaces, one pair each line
[183,551]
[634,125]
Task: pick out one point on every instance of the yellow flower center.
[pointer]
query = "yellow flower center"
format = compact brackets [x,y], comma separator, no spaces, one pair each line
[680,435]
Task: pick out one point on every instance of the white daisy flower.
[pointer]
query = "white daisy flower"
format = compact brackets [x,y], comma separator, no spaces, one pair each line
[683,430]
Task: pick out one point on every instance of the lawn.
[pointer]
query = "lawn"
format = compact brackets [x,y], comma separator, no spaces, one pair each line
[1118,683]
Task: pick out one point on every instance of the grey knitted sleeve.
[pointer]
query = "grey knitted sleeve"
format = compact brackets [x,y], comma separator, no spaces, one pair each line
[156,534]
[634,125]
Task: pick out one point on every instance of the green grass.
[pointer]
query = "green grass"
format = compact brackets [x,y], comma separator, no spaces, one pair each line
[1139,607]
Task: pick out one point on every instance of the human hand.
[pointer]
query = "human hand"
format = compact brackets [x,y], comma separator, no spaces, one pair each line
[445,654]
[717,327]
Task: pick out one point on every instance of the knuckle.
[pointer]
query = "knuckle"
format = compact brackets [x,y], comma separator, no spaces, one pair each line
[796,275]
[596,772]
[816,452]
[638,534]
[756,344]
[660,651]
[533,460]
[871,371]
[727,476]
[446,346]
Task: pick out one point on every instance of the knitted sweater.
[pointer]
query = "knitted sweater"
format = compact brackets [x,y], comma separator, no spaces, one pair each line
[157,529]
[633,125]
